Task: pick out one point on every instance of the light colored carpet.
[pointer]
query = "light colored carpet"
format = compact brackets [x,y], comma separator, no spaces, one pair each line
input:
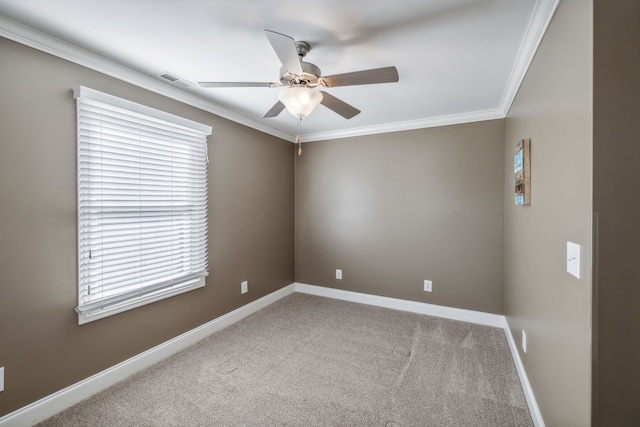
[313,361]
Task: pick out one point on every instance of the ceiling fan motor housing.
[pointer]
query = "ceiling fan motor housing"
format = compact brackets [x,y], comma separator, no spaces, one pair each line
[310,76]
[311,73]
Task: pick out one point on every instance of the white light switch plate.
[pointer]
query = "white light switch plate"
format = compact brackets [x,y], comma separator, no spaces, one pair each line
[2,379]
[573,259]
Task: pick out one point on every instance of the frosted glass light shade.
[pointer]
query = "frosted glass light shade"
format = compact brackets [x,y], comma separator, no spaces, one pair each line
[300,101]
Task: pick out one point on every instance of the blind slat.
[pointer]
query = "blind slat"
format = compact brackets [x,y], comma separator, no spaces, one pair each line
[142,203]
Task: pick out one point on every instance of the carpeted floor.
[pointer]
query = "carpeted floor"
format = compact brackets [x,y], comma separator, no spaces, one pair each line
[313,361]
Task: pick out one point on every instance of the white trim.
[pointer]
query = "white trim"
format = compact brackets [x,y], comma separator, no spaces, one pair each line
[56,402]
[495,320]
[41,41]
[454,119]
[534,409]
[90,315]
[60,400]
[130,106]
[488,319]
[542,15]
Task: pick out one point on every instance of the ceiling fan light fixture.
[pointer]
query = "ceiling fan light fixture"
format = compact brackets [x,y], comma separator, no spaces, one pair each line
[300,101]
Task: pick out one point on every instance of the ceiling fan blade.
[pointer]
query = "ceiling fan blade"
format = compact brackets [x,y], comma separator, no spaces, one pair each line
[274,111]
[365,77]
[285,48]
[338,106]
[238,84]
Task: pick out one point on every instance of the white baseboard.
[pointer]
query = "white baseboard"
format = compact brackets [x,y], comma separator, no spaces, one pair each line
[471,316]
[56,402]
[534,409]
[60,400]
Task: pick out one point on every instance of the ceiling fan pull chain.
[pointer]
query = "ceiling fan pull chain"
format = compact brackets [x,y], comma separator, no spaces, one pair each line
[298,137]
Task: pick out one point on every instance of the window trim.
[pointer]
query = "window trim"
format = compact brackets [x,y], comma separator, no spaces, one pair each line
[109,306]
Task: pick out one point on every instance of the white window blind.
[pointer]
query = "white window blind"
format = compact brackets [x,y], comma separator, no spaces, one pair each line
[142,204]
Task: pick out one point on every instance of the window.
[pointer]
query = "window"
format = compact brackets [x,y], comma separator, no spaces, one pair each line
[142,205]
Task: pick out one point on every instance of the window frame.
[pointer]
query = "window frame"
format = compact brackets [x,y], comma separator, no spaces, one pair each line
[99,308]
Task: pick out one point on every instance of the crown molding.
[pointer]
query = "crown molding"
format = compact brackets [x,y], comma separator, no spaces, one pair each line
[41,41]
[542,15]
[452,119]
[541,18]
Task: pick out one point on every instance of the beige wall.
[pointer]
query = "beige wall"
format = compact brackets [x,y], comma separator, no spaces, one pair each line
[394,209]
[390,210]
[616,174]
[554,108]
[251,212]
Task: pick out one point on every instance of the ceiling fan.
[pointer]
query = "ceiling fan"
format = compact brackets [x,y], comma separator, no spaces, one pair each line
[301,78]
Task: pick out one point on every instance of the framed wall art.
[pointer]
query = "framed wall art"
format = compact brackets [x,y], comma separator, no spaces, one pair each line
[522,171]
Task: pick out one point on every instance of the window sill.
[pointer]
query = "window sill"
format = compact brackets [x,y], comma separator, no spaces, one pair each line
[101,313]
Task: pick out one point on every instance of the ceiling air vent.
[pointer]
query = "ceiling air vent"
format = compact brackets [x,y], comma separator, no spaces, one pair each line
[174,80]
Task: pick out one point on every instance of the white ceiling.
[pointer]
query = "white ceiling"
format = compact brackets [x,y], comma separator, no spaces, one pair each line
[458,60]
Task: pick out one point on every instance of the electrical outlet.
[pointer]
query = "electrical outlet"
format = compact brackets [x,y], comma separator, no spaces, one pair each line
[339,274]
[524,341]
[244,287]
[428,285]
[2,379]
